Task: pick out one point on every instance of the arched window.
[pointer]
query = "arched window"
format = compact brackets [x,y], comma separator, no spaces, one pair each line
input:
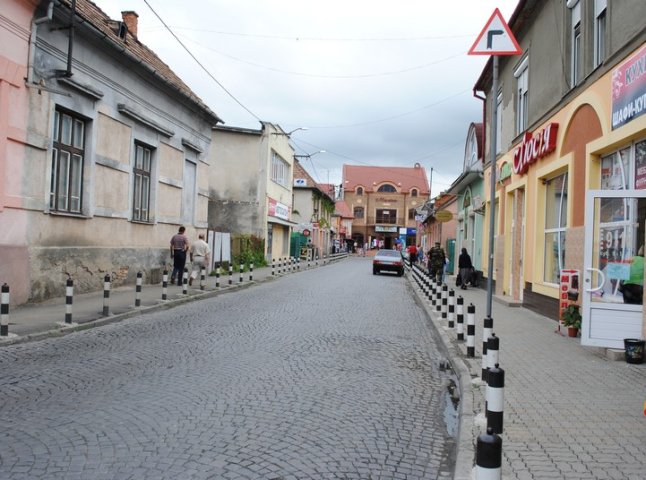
[413,192]
[359,190]
[387,188]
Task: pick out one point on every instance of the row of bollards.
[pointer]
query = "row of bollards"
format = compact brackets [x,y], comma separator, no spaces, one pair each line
[442,300]
[286,265]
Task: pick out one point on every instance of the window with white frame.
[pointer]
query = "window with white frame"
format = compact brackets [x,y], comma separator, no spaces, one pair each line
[279,170]
[522,95]
[141,189]
[556,190]
[600,7]
[499,122]
[68,156]
[625,169]
[575,42]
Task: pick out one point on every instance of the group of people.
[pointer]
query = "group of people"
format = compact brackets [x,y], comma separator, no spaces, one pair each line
[437,261]
[199,253]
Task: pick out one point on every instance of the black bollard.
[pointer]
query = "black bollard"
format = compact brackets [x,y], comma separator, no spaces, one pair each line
[106,295]
[493,347]
[230,274]
[241,279]
[451,308]
[217,277]
[471,330]
[445,301]
[486,333]
[69,300]
[203,278]
[138,290]
[185,282]
[165,285]
[4,311]
[438,296]
[489,456]
[460,318]
[251,272]
[273,272]
[495,398]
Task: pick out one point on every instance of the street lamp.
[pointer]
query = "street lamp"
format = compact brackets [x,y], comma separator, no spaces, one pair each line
[289,133]
[308,155]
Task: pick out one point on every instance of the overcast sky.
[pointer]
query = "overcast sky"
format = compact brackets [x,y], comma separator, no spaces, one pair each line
[375,82]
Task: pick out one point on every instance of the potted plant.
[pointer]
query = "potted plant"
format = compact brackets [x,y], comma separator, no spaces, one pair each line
[572,319]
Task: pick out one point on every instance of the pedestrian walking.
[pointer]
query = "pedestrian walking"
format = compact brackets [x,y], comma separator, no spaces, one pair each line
[178,247]
[465,266]
[436,258]
[412,254]
[200,256]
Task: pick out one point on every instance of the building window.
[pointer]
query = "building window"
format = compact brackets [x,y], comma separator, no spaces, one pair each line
[555,225]
[413,192]
[499,122]
[387,188]
[279,170]
[600,7]
[575,42]
[522,95]
[141,193]
[359,190]
[411,214]
[386,216]
[66,186]
[358,212]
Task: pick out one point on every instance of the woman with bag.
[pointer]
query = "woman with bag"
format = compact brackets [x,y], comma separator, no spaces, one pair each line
[465,266]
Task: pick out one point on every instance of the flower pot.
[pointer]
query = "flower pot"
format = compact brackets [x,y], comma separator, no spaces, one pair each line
[634,350]
[572,331]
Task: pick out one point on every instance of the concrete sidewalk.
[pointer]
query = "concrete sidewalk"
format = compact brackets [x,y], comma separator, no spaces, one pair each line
[569,411]
[45,319]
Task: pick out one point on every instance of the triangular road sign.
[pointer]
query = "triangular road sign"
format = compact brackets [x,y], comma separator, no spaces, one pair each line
[496,38]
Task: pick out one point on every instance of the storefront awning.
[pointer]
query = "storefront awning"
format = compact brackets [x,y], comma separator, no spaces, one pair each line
[281,221]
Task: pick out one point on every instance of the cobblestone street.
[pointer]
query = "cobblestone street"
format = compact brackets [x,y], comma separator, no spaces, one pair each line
[327,373]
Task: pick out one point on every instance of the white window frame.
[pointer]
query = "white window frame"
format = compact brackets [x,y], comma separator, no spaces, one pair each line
[559,229]
[141,189]
[66,182]
[280,170]
[575,43]
[600,24]
[522,95]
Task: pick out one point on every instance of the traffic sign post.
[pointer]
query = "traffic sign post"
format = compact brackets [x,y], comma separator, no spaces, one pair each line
[496,38]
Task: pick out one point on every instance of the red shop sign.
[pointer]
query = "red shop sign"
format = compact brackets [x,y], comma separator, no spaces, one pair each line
[534,147]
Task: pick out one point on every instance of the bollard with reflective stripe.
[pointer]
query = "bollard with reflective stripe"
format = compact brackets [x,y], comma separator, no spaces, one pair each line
[493,347]
[445,301]
[185,282]
[298,263]
[4,311]
[202,278]
[106,295]
[69,300]
[471,330]
[489,456]
[486,333]
[460,319]
[241,279]
[438,296]
[165,285]
[433,293]
[230,274]
[495,398]
[251,272]
[138,290]
[273,271]
[451,308]
[217,277]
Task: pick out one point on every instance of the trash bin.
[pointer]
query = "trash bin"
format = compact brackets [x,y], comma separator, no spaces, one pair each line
[634,349]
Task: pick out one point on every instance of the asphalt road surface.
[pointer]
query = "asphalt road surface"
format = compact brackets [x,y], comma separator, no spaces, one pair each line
[330,373]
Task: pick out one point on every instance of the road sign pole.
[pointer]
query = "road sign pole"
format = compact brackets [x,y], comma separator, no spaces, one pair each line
[492,156]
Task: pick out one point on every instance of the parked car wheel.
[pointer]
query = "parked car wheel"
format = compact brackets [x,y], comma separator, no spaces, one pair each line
[375,271]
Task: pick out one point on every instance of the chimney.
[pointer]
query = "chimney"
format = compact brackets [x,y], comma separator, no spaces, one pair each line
[130,19]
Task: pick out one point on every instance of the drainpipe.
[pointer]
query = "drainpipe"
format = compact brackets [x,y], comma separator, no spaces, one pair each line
[484,123]
[70,45]
[32,39]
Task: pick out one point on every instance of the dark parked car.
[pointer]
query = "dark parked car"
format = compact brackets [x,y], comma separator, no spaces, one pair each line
[389,261]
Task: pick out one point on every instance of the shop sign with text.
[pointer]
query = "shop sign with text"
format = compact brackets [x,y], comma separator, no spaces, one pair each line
[629,90]
[384,229]
[534,147]
[278,210]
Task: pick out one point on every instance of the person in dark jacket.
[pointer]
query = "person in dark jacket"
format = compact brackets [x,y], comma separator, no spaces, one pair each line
[465,266]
